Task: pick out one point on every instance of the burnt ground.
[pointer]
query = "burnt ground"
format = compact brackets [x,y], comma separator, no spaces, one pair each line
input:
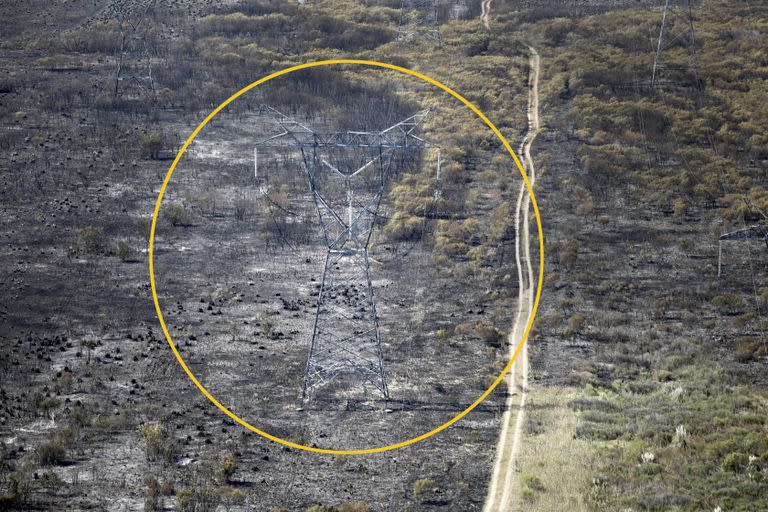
[84,358]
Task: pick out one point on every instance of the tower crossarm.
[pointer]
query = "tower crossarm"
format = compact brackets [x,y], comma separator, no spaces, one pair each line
[294,133]
[756,232]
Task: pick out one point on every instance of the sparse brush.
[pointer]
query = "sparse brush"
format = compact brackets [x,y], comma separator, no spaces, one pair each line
[423,485]
[158,444]
[50,453]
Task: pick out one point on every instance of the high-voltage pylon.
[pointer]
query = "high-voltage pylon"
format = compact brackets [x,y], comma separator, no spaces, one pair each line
[676,33]
[459,10]
[756,232]
[419,18]
[133,76]
[347,174]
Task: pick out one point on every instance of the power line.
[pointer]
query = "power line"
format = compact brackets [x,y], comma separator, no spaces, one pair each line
[347,173]
[419,19]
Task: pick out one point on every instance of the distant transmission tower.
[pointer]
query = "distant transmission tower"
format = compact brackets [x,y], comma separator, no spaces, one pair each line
[134,64]
[418,18]
[347,174]
[676,33]
[754,232]
[459,10]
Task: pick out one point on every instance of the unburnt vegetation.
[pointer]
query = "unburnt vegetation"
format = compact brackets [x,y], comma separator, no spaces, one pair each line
[668,360]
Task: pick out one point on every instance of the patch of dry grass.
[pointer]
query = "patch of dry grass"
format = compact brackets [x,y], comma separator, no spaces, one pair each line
[550,455]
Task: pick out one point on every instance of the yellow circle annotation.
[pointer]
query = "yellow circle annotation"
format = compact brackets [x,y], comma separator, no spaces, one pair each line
[202,388]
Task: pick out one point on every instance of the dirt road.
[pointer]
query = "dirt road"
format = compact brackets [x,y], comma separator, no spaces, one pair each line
[503,478]
[485,7]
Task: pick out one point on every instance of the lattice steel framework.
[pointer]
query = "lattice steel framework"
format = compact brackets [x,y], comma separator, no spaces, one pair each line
[676,31]
[347,173]
[419,18]
[459,10]
[756,232]
[133,76]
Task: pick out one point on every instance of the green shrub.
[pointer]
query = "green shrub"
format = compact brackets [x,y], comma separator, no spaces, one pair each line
[736,462]
[198,499]
[157,442]
[231,497]
[267,328]
[532,481]
[150,145]
[489,334]
[152,497]
[576,323]
[176,214]
[48,404]
[124,251]
[50,453]
[91,240]
[64,382]
[227,469]
[527,494]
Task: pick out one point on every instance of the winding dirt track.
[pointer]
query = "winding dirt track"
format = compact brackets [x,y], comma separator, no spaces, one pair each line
[503,478]
[485,10]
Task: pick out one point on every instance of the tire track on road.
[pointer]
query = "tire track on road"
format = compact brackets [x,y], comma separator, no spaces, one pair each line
[508,447]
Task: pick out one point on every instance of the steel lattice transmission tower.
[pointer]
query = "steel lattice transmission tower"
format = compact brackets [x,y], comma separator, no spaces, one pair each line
[134,65]
[459,10]
[754,232]
[347,174]
[676,33]
[419,18]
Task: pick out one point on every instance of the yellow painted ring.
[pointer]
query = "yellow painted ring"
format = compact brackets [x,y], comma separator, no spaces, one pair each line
[202,388]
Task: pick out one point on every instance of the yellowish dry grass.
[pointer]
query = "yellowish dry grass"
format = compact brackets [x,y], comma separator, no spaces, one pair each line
[563,464]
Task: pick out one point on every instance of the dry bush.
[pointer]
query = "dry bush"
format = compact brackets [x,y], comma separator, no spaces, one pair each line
[50,453]
[422,486]
[158,444]
[91,240]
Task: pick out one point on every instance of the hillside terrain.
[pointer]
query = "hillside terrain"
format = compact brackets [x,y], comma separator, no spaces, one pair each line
[647,385]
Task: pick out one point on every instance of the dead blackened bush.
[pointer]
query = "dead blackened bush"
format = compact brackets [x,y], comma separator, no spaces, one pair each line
[243,208]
